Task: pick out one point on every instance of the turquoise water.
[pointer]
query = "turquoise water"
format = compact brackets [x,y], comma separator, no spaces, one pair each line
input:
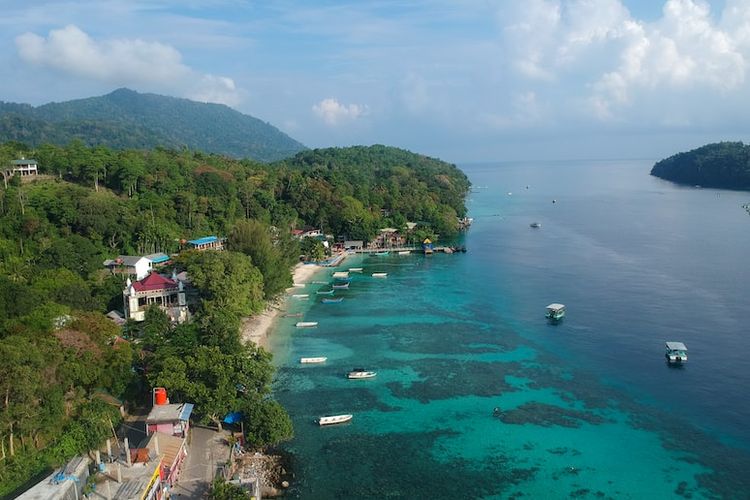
[589,407]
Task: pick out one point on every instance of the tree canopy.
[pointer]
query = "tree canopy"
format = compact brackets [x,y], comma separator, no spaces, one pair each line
[719,165]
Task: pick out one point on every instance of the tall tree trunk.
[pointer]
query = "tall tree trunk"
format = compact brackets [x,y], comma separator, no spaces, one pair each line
[12,451]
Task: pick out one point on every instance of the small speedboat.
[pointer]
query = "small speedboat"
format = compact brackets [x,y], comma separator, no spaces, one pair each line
[404,252]
[355,269]
[298,285]
[334,419]
[306,324]
[359,373]
[341,286]
[379,275]
[332,301]
[341,274]
[301,295]
[535,225]
[325,292]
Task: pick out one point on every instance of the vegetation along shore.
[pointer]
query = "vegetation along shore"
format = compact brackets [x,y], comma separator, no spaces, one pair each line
[126,270]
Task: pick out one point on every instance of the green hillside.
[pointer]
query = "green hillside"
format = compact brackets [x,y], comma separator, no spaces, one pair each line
[721,165]
[125,119]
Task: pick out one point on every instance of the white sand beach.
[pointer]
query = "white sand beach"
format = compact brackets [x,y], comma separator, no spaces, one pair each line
[256,328]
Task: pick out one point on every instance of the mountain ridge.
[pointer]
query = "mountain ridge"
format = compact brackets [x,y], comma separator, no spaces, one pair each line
[126,119]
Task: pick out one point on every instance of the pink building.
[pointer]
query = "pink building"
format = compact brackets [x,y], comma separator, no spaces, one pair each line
[170,419]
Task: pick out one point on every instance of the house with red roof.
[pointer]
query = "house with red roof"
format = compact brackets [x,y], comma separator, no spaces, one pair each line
[169,294]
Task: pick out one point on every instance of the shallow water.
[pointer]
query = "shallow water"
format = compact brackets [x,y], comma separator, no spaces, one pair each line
[589,409]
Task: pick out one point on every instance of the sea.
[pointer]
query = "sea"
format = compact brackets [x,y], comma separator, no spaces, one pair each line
[477,395]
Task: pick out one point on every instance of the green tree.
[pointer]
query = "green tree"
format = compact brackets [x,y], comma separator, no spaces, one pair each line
[253,238]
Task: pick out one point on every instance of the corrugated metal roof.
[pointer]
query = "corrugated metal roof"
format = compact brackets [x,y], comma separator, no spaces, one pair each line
[157,258]
[204,240]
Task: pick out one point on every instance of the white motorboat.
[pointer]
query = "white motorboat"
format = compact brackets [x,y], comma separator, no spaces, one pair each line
[319,359]
[298,285]
[404,252]
[555,312]
[341,274]
[301,295]
[359,373]
[379,275]
[306,324]
[355,269]
[676,352]
[334,419]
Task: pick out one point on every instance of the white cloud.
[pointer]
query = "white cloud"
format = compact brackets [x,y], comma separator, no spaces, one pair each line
[211,88]
[332,112]
[122,62]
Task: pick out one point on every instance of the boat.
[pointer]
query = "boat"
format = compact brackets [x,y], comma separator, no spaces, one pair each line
[319,359]
[333,301]
[355,269]
[320,282]
[676,352]
[341,274]
[380,254]
[404,252]
[295,315]
[334,419]
[306,324]
[325,292]
[359,373]
[379,275]
[536,225]
[298,285]
[555,312]
[340,286]
[301,295]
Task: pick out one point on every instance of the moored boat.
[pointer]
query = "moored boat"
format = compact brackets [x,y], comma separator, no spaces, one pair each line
[341,274]
[676,352]
[319,359]
[298,285]
[379,275]
[334,419]
[355,269]
[380,254]
[359,373]
[332,301]
[404,252]
[325,292]
[555,312]
[301,295]
[306,324]
[340,286]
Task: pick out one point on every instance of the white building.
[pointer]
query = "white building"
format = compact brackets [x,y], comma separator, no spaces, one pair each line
[166,293]
[136,266]
[24,167]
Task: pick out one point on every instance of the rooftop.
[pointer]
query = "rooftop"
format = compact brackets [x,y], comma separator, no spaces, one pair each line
[157,258]
[154,281]
[676,346]
[170,413]
[203,241]
[18,163]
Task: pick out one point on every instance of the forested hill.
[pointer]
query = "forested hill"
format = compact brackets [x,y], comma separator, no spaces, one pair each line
[721,165]
[125,119]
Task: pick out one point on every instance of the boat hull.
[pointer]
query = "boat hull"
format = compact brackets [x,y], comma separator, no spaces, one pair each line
[335,419]
[360,375]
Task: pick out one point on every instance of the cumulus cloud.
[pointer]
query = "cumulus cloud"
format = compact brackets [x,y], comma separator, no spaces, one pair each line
[620,61]
[332,112]
[122,62]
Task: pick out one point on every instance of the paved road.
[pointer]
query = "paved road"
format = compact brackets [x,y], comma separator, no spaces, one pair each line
[206,451]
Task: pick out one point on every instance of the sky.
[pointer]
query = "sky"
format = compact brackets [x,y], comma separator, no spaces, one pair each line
[462,80]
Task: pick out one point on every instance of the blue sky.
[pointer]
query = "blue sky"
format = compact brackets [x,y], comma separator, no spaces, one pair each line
[463,80]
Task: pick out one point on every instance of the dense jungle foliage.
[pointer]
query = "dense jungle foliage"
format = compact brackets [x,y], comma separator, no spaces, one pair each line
[127,119]
[721,165]
[60,353]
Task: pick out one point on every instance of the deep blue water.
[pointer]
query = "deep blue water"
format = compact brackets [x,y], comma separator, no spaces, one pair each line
[589,407]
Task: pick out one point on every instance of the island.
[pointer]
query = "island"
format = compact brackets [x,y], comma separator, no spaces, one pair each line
[724,165]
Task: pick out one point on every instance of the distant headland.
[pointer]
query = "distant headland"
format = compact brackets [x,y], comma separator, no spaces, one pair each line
[721,165]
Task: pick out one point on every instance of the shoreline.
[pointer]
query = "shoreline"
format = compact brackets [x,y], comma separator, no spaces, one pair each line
[256,328]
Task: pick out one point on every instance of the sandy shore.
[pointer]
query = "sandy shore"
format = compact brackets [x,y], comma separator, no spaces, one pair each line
[256,328]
